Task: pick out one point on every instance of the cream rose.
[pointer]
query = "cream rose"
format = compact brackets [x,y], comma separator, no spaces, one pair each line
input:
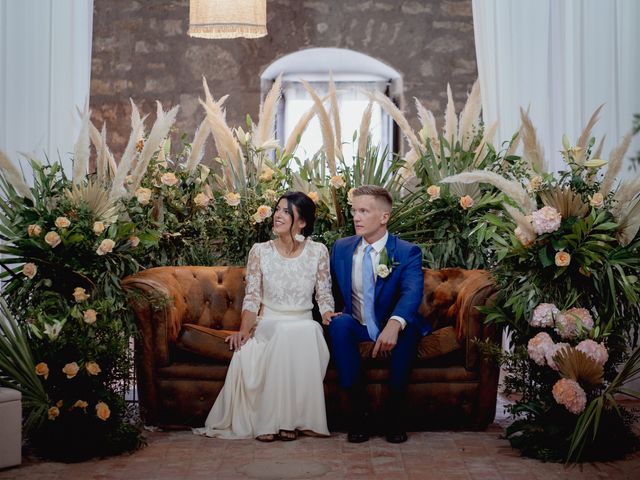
[596,200]
[382,271]
[562,259]
[201,200]
[169,179]
[466,202]
[270,195]
[93,368]
[350,196]
[80,404]
[143,195]
[71,369]
[52,239]
[106,246]
[524,237]
[313,196]
[232,199]
[29,270]
[90,316]
[42,369]
[80,295]
[102,411]
[434,192]
[262,213]
[266,175]
[34,230]
[62,222]
[98,228]
[53,413]
[134,241]
[337,181]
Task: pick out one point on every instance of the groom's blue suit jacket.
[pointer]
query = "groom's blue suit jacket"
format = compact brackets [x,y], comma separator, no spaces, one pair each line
[398,294]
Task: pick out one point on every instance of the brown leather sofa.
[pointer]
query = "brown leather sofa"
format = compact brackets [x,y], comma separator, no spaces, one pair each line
[184,314]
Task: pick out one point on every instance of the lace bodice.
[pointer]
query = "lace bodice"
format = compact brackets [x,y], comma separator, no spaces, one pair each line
[287,284]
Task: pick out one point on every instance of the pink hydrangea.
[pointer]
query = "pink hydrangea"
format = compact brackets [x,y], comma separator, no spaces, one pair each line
[546,220]
[543,315]
[569,393]
[537,347]
[594,350]
[551,351]
[570,323]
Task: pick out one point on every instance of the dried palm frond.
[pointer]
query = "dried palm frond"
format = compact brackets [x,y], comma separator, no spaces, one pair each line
[13,176]
[521,220]
[395,113]
[95,197]
[197,147]
[624,194]
[487,139]
[158,133]
[328,138]
[450,119]
[267,116]
[470,115]
[335,113]
[102,160]
[407,170]
[565,201]
[628,222]
[512,189]
[585,135]
[615,163]
[81,150]
[459,189]
[126,161]
[533,153]
[578,366]
[363,136]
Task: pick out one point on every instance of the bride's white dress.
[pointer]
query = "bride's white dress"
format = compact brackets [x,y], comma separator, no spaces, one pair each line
[274,381]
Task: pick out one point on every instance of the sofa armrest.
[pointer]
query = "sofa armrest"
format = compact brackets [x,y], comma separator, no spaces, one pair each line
[475,291]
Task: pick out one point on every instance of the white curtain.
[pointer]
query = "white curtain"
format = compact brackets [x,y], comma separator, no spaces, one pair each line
[45,67]
[561,59]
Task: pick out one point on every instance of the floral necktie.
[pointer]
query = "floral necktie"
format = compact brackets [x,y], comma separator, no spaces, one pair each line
[368,288]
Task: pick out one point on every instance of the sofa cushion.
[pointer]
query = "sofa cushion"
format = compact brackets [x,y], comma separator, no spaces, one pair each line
[206,342]
[209,343]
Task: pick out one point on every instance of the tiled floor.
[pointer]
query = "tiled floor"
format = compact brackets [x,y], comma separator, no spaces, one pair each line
[427,455]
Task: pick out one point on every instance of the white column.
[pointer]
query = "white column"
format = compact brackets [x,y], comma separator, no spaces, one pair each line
[45,67]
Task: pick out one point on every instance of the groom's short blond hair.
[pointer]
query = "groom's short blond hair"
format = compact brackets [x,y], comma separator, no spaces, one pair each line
[381,194]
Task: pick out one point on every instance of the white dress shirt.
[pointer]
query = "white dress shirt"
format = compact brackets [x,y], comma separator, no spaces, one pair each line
[357,294]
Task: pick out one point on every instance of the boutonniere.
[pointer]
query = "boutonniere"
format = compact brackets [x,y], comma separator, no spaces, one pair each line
[386,264]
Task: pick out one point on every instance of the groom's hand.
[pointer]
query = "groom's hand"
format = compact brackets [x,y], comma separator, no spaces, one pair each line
[387,338]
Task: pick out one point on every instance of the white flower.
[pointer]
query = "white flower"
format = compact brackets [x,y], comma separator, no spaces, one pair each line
[543,315]
[98,228]
[52,330]
[382,271]
[106,246]
[269,145]
[29,270]
[546,220]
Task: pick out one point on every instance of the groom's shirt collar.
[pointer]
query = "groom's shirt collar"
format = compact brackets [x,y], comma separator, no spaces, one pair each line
[378,245]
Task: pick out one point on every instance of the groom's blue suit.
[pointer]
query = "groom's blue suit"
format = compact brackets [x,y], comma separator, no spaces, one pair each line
[399,294]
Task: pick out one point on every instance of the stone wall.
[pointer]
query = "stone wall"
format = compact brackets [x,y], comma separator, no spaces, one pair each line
[141,50]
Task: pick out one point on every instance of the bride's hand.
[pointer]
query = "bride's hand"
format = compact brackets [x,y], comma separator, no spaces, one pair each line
[237,340]
[328,316]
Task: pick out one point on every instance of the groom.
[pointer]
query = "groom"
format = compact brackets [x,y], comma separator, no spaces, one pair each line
[380,281]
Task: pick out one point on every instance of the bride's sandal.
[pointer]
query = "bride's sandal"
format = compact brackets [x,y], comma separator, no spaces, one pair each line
[267,437]
[287,435]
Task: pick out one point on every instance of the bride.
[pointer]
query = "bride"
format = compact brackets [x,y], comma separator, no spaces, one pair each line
[273,387]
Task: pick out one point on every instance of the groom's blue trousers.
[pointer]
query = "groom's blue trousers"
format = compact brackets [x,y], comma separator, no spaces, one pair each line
[346,333]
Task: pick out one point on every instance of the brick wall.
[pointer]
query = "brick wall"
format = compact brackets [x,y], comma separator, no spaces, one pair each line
[141,50]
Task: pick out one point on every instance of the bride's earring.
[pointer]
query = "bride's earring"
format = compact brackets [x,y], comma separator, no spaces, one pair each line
[299,238]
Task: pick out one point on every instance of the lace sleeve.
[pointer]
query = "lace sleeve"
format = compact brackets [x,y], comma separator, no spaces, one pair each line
[323,282]
[253,289]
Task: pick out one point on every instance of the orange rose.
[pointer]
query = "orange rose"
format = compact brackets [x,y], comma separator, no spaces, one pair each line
[71,369]
[80,295]
[90,316]
[93,368]
[62,222]
[34,230]
[102,411]
[53,413]
[466,202]
[29,270]
[562,259]
[42,369]
[80,404]
[52,239]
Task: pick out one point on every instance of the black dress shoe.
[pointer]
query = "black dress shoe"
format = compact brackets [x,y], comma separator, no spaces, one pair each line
[396,437]
[357,436]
